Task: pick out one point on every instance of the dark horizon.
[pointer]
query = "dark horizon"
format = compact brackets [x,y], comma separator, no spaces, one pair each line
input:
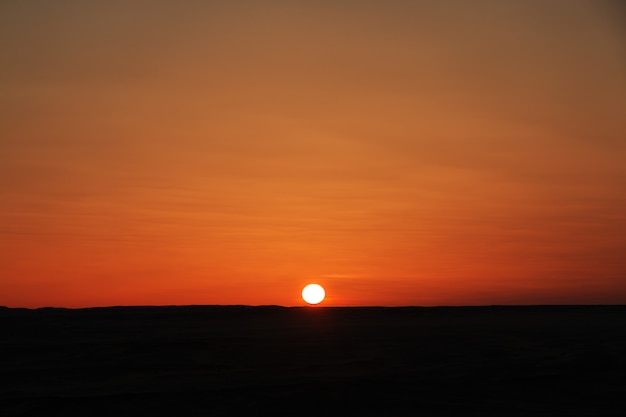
[514,361]
[314,307]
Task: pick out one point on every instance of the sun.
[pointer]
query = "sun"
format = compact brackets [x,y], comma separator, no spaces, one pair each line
[313,294]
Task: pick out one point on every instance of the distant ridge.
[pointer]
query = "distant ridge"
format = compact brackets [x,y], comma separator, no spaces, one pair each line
[241,308]
[306,306]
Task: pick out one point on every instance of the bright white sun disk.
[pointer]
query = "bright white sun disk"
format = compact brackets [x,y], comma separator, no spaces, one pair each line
[313,294]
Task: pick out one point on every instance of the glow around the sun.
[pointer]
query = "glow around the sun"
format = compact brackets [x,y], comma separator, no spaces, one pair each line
[313,294]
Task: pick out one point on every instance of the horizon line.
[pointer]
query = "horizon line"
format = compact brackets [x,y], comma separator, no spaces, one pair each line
[305,306]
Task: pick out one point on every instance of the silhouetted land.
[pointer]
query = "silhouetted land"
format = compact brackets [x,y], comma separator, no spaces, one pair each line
[272,361]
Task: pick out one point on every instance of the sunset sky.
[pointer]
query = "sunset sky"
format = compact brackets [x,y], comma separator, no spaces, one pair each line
[229,152]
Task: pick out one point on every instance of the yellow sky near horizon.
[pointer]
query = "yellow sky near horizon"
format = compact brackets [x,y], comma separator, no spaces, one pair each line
[397,152]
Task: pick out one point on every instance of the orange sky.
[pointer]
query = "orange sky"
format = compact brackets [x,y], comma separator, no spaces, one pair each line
[396,152]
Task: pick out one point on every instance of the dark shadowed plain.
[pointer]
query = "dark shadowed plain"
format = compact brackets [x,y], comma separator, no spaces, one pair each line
[274,361]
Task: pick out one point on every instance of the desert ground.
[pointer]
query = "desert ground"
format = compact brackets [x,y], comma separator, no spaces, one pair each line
[313,361]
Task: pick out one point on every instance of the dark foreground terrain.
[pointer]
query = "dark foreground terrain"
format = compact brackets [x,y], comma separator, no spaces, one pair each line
[274,361]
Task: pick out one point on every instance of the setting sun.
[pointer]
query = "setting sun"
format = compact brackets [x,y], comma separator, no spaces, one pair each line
[313,294]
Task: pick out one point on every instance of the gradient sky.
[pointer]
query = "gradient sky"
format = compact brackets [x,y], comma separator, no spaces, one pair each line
[229,152]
